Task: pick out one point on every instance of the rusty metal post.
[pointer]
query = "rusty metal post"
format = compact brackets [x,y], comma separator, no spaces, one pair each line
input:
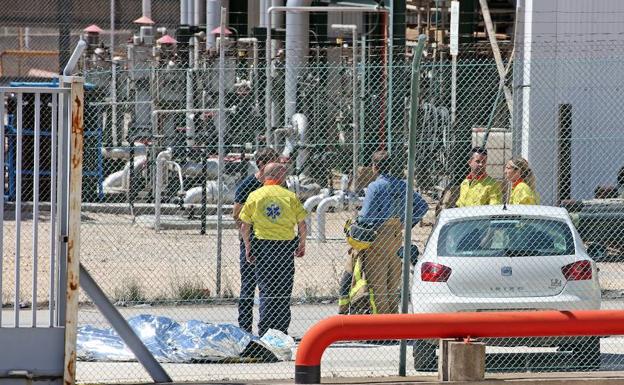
[76,143]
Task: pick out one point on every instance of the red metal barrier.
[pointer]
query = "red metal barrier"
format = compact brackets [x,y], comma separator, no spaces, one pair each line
[447,325]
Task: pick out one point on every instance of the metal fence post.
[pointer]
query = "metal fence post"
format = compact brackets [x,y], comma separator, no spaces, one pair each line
[73,242]
[221,148]
[409,191]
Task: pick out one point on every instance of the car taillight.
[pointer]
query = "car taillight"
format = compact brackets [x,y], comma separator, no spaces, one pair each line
[577,271]
[434,272]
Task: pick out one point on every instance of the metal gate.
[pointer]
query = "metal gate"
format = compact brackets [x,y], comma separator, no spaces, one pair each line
[41,177]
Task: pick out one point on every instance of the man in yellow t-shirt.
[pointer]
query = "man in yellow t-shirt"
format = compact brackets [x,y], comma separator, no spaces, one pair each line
[273,211]
[479,189]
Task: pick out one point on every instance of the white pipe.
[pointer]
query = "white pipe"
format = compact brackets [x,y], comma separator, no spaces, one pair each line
[190,12]
[193,195]
[113,92]
[178,168]
[200,9]
[161,158]
[118,179]
[273,11]
[190,124]
[112,29]
[212,22]
[300,126]
[336,201]
[262,14]
[254,78]
[297,27]
[75,56]
[146,8]
[194,169]
[354,108]
[184,12]
[310,204]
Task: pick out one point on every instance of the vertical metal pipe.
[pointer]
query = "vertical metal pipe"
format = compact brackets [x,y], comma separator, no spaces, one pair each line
[390,61]
[212,21]
[146,8]
[362,92]
[190,16]
[63,202]
[200,12]
[130,178]
[1,189]
[409,191]
[453,88]
[112,29]
[27,38]
[113,94]
[297,35]
[190,126]
[18,207]
[262,22]
[204,179]
[53,187]
[355,109]
[35,236]
[269,81]
[184,12]
[221,147]
[277,20]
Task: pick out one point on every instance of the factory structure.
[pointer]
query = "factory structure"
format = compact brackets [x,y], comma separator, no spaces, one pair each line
[326,88]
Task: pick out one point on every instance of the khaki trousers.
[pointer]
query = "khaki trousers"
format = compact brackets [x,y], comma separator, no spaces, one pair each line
[383,266]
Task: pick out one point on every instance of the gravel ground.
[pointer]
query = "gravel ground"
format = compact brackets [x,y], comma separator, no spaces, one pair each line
[132,261]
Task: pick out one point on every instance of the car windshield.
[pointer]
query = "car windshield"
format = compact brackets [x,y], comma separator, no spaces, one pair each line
[505,237]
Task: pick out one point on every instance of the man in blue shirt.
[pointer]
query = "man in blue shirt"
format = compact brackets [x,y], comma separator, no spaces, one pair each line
[247,270]
[384,210]
[385,197]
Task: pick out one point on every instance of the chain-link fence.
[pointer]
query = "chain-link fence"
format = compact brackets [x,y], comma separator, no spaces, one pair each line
[167,167]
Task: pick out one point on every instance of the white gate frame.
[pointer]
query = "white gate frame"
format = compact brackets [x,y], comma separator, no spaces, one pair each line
[22,358]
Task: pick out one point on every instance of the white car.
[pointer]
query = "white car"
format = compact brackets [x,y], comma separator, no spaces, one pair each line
[495,258]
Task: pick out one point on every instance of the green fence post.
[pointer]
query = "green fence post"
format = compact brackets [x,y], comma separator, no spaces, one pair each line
[409,191]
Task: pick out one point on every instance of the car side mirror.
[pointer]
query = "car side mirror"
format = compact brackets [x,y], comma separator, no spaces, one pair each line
[597,252]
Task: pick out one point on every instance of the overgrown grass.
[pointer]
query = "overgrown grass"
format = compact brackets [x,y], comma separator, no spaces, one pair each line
[129,292]
[191,291]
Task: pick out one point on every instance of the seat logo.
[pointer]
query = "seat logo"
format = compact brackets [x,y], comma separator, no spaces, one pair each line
[506,271]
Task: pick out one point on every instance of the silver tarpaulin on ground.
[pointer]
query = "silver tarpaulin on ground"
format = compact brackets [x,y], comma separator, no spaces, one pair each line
[191,341]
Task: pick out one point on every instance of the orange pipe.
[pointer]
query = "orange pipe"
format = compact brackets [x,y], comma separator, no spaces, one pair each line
[447,325]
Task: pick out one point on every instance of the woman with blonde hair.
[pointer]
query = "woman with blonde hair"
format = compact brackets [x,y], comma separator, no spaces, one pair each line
[522,181]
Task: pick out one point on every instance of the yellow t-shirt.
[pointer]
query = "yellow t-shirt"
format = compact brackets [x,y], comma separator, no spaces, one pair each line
[273,211]
[522,194]
[479,192]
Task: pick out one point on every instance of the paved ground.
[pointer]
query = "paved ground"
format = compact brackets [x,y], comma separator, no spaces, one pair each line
[128,258]
[342,360]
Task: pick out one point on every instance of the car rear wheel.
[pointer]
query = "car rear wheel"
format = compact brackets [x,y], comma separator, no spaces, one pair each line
[425,359]
[586,354]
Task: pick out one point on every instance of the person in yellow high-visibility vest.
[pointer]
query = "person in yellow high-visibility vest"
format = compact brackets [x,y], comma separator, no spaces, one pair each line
[273,212]
[479,189]
[522,181]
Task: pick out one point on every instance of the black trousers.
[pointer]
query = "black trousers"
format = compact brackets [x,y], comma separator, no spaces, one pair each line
[247,291]
[275,273]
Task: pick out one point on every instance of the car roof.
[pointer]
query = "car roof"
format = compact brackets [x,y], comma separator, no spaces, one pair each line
[492,210]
